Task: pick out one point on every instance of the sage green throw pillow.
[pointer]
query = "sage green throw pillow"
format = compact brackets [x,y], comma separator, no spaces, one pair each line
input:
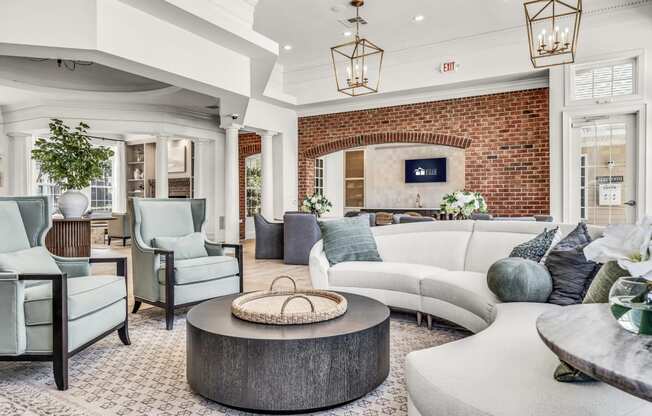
[34,260]
[598,291]
[515,279]
[190,246]
[348,239]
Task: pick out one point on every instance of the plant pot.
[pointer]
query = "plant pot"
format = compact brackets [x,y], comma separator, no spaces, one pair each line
[630,300]
[73,204]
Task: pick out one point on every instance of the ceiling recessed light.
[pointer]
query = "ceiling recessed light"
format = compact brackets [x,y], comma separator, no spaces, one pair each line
[287,47]
[347,33]
[418,18]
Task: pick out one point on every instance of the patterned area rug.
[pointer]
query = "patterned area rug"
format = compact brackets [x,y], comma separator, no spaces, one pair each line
[149,377]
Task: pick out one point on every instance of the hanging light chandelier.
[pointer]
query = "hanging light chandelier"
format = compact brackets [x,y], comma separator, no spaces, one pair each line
[357,63]
[552,28]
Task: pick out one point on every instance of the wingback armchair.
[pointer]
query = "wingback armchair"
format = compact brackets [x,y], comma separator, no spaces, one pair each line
[169,283]
[52,316]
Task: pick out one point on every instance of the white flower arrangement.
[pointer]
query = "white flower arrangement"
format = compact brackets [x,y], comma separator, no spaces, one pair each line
[316,204]
[628,244]
[463,203]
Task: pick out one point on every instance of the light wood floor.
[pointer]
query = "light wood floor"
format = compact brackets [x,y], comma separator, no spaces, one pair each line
[258,274]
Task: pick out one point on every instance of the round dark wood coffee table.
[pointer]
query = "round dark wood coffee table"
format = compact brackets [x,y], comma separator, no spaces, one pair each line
[293,368]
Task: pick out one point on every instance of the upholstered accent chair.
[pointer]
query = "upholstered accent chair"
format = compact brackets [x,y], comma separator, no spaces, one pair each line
[51,317]
[269,238]
[119,228]
[301,232]
[169,283]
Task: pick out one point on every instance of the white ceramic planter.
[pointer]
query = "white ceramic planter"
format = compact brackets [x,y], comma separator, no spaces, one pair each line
[73,204]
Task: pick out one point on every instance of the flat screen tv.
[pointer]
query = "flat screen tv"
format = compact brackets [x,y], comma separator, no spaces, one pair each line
[425,170]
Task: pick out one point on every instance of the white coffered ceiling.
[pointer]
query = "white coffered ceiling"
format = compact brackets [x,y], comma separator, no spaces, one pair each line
[312,26]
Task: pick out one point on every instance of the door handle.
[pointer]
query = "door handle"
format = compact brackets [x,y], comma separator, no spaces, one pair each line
[631,203]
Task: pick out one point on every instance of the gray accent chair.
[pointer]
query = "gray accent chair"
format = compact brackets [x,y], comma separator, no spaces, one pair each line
[162,281]
[300,233]
[51,317]
[269,238]
[119,228]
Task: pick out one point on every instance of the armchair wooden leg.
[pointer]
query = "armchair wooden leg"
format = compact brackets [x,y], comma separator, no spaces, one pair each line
[136,306]
[109,238]
[169,291]
[60,332]
[123,333]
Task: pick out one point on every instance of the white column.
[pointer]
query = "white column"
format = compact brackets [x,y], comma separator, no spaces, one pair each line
[217,169]
[119,179]
[267,159]
[231,185]
[20,166]
[161,167]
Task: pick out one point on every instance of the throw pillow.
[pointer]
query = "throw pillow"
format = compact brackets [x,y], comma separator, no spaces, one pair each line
[566,373]
[598,291]
[348,239]
[536,248]
[571,272]
[188,247]
[34,260]
[519,280]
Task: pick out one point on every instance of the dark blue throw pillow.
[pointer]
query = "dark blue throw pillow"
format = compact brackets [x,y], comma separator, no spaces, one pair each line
[571,272]
[348,239]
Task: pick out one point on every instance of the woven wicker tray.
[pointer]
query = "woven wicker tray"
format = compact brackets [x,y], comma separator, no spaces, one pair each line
[288,307]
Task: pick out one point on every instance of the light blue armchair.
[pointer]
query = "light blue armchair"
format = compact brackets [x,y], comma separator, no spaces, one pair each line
[51,317]
[169,283]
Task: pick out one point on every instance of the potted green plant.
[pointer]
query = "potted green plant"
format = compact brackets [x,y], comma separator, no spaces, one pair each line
[71,161]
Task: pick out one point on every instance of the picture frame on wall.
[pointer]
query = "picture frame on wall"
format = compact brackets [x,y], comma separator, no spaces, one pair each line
[177,156]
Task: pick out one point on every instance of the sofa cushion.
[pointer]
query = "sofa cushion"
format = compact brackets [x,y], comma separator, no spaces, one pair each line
[85,295]
[12,229]
[598,291]
[201,269]
[506,370]
[570,270]
[519,280]
[468,290]
[348,239]
[536,248]
[399,277]
[35,260]
[437,243]
[187,247]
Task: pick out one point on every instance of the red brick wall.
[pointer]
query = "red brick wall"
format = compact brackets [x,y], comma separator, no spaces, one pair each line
[505,137]
[248,144]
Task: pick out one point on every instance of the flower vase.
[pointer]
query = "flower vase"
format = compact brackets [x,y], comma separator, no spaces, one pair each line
[630,300]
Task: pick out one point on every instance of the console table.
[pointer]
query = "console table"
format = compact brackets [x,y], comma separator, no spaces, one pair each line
[69,237]
[589,338]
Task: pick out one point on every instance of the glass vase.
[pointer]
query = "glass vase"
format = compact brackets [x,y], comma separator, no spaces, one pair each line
[630,300]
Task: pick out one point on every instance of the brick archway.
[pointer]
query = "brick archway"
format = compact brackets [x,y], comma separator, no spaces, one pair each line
[307,156]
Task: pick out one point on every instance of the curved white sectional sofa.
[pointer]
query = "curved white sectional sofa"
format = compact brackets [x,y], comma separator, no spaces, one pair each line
[439,268]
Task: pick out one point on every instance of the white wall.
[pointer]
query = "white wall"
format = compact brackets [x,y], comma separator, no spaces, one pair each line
[385,185]
[265,116]
[333,182]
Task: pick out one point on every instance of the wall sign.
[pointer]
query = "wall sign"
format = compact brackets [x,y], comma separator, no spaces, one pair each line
[609,179]
[609,194]
[425,170]
[450,66]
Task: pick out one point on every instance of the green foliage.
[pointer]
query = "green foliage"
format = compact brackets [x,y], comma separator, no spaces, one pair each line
[68,157]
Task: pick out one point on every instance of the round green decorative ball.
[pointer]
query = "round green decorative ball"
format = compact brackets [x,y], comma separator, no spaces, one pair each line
[519,280]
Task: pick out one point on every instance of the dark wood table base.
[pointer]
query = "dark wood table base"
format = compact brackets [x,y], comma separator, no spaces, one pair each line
[287,369]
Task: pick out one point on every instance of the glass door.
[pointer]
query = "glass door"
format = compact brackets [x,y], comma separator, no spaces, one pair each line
[605,166]
[253,189]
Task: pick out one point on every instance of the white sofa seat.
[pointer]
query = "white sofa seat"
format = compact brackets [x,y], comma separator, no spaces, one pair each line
[399,277]
[506,370]
[461,297]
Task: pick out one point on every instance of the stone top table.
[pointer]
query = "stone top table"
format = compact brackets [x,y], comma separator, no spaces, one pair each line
[589,338]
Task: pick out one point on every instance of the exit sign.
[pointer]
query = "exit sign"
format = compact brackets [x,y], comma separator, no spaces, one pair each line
[450,66]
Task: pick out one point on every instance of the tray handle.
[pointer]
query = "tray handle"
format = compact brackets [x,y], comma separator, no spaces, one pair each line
[312,305]
[283,276]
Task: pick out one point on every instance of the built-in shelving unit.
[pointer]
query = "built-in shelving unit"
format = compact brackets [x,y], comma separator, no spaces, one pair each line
[141,166]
